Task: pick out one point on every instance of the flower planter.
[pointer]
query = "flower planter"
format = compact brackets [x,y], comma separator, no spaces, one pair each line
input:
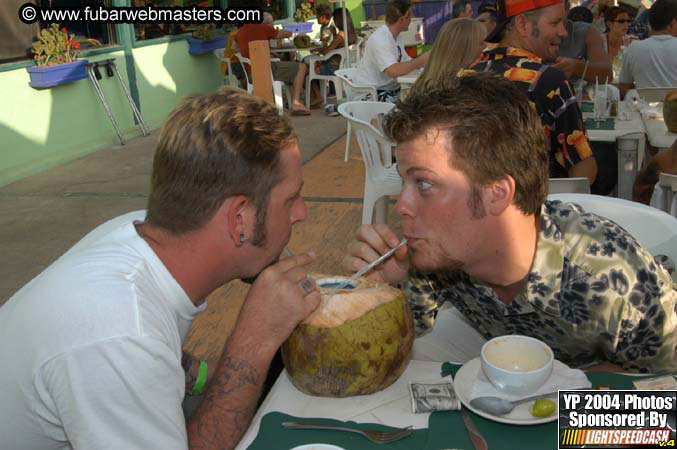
[198,47]
[298,27]
[44,77]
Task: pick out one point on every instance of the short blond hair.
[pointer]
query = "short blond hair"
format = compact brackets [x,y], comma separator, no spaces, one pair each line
[213,147]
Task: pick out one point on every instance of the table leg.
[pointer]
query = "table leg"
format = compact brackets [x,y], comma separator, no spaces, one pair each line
[628,147]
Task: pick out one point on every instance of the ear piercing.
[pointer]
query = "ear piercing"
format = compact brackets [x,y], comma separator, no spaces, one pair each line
[242,238]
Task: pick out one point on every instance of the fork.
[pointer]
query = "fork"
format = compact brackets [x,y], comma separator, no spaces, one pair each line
[378,437]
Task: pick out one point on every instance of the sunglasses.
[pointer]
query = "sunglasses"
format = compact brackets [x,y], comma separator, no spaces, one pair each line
[623,21]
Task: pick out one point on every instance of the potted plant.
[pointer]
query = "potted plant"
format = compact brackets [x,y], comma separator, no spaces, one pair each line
[56,59]
[203,39]
[303,15]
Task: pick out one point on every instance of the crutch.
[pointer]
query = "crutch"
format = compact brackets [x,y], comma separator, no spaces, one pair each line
[91,67]
[135,110]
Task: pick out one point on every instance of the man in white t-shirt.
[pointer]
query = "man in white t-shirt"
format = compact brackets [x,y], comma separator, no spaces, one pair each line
[384,57]
[91,347]
[652,62]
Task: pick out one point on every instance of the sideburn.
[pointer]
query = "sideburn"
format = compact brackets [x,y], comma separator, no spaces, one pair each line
[475,203]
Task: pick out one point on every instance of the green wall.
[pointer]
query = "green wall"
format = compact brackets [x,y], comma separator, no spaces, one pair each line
[356,10]
[166,73]
[43,128]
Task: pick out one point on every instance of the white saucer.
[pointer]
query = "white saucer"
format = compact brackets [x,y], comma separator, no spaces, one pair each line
[463,382]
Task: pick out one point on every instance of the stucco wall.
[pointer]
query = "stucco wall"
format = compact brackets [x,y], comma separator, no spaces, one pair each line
[42,128]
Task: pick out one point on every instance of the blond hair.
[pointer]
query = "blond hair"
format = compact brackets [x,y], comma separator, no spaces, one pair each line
[457,45]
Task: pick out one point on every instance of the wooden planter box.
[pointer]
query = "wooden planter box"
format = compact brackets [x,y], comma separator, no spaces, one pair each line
[44,77]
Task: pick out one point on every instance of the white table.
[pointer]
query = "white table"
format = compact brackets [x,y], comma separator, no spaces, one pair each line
[408,80]
[286,49]
[656,130]
[392,406]
[629,136]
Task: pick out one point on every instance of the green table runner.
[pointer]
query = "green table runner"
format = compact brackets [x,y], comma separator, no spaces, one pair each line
[445,429]
[587,107]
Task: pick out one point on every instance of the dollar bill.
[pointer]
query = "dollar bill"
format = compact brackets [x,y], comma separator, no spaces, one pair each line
[662,383]
[428,397]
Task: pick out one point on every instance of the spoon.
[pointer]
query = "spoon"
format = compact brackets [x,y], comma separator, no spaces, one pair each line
[499,406]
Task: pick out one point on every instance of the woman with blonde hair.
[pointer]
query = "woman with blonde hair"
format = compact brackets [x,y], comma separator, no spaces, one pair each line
[459,43]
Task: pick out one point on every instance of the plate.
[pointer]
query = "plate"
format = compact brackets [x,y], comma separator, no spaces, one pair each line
[463,381]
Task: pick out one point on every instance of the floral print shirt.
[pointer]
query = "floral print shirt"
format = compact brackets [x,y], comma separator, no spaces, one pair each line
[549,91]
[593,294]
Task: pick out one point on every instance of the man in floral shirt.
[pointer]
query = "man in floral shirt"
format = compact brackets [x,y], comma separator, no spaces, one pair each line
[527,33]
[481,235]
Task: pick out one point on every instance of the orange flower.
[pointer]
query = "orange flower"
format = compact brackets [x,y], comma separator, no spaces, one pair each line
[517,74]
[580,141]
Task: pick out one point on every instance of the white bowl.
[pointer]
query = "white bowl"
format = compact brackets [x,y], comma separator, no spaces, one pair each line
[516,365]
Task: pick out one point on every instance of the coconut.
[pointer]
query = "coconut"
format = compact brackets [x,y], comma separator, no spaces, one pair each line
[358,340]
[302,41]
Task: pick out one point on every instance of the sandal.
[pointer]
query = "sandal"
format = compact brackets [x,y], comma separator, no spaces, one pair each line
[300,112]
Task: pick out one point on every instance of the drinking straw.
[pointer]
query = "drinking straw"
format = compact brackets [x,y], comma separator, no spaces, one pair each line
[596,99]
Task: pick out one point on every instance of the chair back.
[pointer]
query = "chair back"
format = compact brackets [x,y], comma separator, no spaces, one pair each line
[354,52]
[278,86]
[666,200]
[219,53]
[243,61]
[574,185]
[654,229]
[375,147]
[352,89]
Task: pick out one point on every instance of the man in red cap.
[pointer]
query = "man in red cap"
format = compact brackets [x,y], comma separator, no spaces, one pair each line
[528,32]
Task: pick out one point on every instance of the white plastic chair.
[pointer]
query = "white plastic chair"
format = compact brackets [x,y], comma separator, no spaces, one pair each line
[323,79]
[381,178]
[664,197]
[232,80]
[278,86]
[250,86]
[354,54]
[354,92]
[574,185]
[653,228]
[243,60]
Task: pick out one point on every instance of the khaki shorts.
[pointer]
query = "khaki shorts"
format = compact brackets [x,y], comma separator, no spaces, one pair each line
[285,71]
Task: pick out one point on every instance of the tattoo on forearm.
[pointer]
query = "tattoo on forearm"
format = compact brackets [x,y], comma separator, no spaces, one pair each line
[228,406]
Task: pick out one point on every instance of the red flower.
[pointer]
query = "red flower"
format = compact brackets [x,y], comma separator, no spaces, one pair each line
[76,45]
[203,5]
[64,30]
